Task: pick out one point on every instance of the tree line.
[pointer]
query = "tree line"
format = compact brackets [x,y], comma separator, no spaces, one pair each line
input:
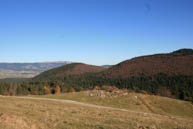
[179,86]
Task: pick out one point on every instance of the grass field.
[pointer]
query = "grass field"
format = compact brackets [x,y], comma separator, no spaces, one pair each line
[143,103]
[17,113]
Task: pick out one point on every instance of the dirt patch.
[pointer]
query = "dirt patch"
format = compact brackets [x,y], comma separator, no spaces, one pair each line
[14,122]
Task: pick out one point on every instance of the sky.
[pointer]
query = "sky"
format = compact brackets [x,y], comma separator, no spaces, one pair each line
[97,32]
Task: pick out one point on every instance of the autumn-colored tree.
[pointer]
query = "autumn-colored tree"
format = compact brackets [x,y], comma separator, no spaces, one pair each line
[57,90]
[97,87]
[47,90]
[72,90]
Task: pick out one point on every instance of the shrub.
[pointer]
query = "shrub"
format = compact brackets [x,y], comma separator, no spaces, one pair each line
[96,87]
[57,90]
[72,90]
[109,88]
[47,90]
[143,92]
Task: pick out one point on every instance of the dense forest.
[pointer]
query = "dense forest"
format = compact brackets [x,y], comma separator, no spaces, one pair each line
[180,86]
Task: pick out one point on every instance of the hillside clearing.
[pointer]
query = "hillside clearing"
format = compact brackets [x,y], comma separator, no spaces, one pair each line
[26,113]
[143,103]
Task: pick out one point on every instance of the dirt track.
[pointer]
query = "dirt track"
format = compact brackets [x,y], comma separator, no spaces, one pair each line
[92,106]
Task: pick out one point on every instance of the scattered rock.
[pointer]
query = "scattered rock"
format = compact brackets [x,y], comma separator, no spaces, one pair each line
[104,93]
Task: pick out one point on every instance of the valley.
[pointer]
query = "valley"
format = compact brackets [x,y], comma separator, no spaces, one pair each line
[26,70]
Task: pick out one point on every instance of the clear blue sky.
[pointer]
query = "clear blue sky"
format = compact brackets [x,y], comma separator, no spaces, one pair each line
[92,31]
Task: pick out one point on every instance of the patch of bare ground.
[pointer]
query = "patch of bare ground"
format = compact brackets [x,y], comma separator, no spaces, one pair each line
[14,122]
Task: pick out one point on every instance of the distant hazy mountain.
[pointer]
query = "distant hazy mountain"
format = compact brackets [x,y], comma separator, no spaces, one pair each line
[106,66]
[27,70]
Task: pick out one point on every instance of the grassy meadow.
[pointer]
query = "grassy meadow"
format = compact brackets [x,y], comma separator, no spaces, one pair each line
[135,102]
[17,113]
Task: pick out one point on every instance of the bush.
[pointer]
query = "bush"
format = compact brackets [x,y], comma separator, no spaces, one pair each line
[47,90]
[109,88]
[96,87]
[72,90]
[57,90]
[144,92]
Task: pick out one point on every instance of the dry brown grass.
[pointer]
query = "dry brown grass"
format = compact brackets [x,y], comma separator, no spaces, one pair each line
[143,103]
[38,114]
[15,122]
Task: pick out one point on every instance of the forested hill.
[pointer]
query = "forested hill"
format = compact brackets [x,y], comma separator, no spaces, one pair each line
[69,69]
[179,62]
[169,75]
